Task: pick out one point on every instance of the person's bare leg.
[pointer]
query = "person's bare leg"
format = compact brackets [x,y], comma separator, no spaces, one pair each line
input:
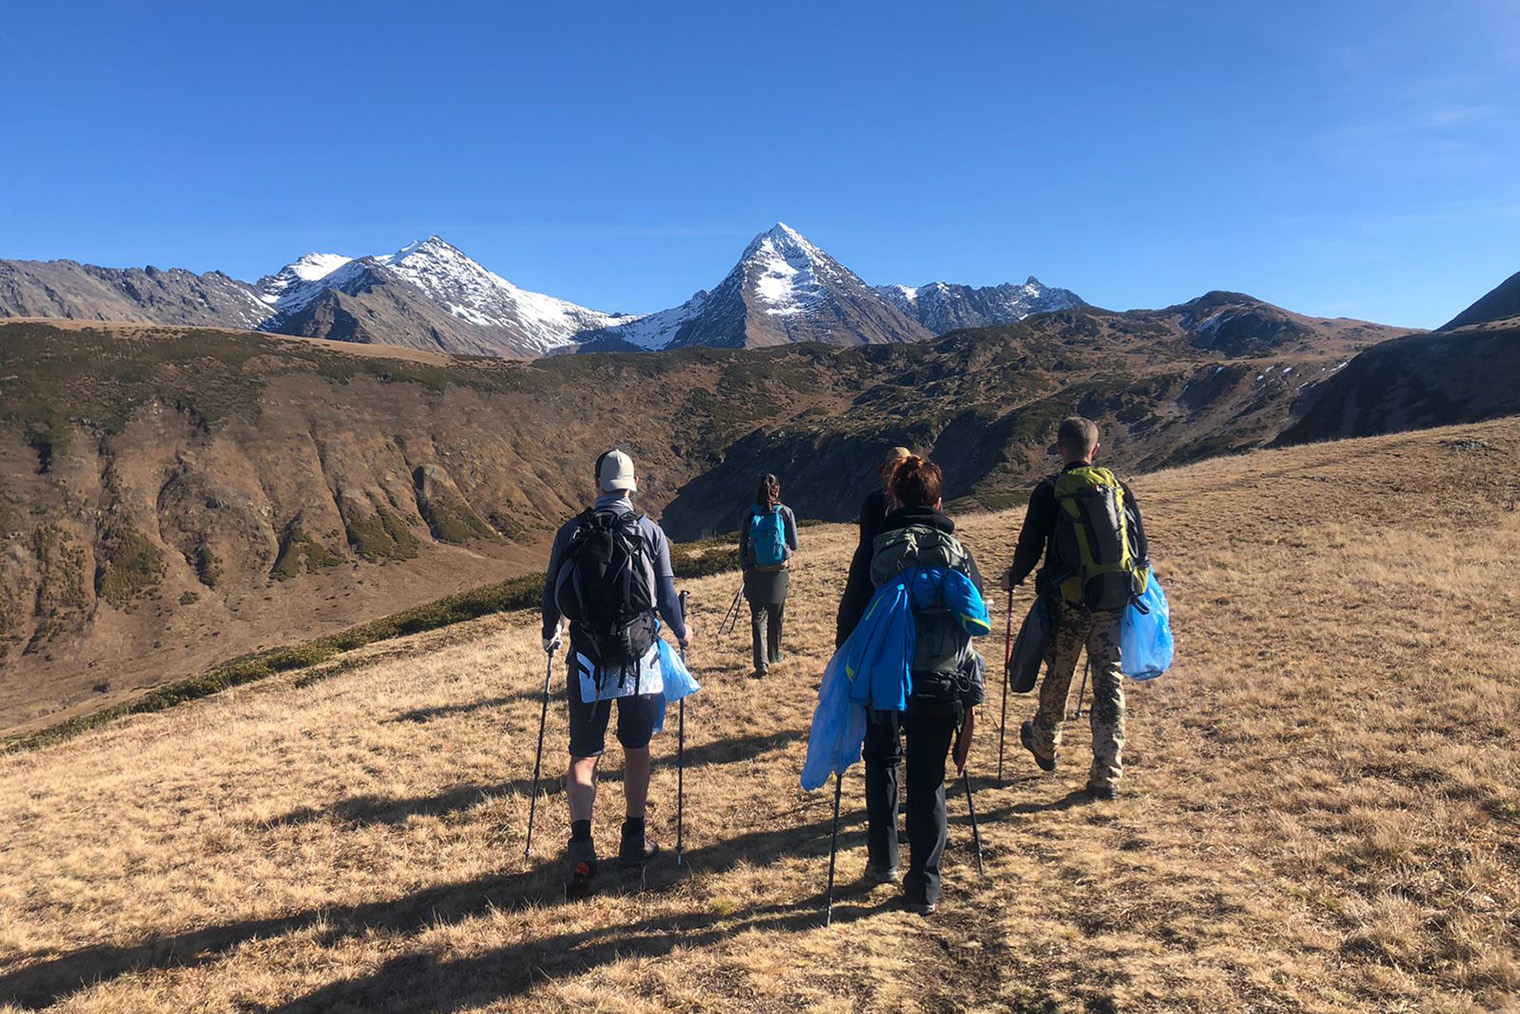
[580,786]
[636,766]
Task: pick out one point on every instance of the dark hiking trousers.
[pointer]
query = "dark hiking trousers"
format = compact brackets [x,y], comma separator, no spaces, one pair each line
[929,731]
[765,632]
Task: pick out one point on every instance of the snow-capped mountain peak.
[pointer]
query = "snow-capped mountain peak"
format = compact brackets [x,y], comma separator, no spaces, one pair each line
[788,274]
[943,307]
[298,283]
[473,294]
[783,289]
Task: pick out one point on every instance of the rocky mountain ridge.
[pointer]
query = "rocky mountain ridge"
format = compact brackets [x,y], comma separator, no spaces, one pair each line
[429,295]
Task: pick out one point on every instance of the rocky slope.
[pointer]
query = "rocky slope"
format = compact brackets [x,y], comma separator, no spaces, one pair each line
[85,292]
[170,497]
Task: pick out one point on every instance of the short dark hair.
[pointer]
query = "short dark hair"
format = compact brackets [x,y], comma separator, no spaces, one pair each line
[1077,435]
[918,482]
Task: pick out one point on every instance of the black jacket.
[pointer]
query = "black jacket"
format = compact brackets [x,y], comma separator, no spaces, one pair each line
[858,588]
[1037,537]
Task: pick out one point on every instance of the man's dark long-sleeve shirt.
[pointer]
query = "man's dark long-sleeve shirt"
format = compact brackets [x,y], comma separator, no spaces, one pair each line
[857,587]
[1037,537]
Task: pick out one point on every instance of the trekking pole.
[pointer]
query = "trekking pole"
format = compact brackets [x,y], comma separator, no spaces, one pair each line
[538,758]
[1007,661]
[733,611]
[828,905]
[1082,692]
[976,835]
[681,754]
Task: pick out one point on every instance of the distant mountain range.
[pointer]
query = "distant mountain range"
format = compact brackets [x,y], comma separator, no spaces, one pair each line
[430,295]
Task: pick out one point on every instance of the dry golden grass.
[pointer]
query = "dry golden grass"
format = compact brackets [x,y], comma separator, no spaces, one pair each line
[1320,811]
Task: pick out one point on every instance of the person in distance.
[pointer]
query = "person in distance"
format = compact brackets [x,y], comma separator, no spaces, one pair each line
[767,541]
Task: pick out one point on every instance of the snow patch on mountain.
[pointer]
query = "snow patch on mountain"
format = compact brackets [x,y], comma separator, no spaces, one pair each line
[297,284]
[654,331]
[942,307]
[470,292]
[785,270]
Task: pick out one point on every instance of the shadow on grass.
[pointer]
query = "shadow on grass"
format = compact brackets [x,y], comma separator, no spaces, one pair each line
[1076,797]
[423,715]
[423,982]
[427,982]
[370,809]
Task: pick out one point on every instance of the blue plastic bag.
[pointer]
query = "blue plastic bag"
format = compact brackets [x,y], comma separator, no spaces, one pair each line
[678,679]
[839,726]
[1145,634]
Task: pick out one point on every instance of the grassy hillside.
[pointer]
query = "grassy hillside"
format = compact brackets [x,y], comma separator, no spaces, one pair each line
[174,498]
[1319,809]
[1453,375]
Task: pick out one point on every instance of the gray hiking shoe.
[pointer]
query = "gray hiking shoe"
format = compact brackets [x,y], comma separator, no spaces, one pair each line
[1026,737]
[635,849]
[1105,793]
[923,907]
[877,874]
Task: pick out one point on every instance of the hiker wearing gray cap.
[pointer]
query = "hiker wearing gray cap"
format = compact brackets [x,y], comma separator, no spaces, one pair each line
[610,574]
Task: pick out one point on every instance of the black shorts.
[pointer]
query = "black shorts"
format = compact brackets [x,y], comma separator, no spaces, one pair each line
[588,722]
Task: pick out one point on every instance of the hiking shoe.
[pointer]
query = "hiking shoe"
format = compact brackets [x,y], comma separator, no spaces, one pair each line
[758,674]
[635,849]
[877,874]
[1106,793]
[778,658]
[923,907]
[1026,737]
[582,856]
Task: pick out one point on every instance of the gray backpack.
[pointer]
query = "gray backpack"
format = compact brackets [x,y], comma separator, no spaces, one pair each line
[941,644]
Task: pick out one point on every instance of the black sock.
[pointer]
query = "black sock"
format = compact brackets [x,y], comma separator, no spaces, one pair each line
[633,826]
[580,830]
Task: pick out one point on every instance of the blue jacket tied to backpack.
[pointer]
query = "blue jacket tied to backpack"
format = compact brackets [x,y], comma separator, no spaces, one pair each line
[874,666]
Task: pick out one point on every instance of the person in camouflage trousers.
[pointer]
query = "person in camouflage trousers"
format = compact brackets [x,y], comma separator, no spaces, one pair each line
[1078,627]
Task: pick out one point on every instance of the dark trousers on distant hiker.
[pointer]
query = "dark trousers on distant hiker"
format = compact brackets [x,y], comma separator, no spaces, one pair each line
[765,591]
[928,731]
[1098,633]
[765,632]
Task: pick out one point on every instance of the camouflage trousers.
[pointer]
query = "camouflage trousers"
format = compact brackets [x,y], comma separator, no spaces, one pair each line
[1076,629]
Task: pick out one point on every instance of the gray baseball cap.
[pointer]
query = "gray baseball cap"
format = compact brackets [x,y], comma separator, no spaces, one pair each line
[614,471]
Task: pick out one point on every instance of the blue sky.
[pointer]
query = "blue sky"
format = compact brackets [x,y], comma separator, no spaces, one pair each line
[1356,158]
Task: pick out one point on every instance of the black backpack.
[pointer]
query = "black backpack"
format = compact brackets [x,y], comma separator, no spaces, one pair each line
[606,587]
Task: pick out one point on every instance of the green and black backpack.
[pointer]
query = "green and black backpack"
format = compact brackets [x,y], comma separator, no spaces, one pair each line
[1094,544]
